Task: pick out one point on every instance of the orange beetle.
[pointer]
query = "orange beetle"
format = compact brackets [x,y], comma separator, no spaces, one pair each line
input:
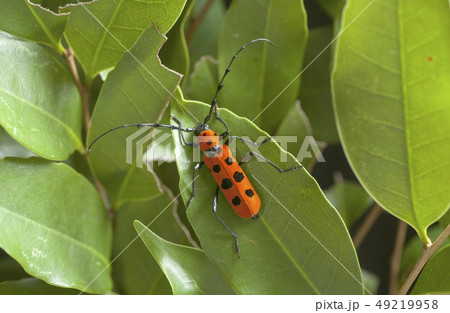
[227,173]
[230,178]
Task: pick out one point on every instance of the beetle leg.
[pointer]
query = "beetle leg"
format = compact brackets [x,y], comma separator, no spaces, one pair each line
[189,144]
[196,168]
[256,144]
[215,201]
[249,155]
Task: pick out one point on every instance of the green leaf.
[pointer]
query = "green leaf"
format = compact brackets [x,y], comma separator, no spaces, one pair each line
[299,245]
[27,21]
[203,81]
[11,148]
[137,91]
[65,233]
[174,54]
[102,31]
[435,277]
[188,270]
[135,271]
[390,85]
[39,103]
[315,91]
[268,75]
[350,199]
[33,286]
[203,41]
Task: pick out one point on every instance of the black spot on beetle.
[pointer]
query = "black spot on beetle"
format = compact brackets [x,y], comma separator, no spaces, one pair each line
[238,176]
[229,161]
[209,142]
[236,201]
[216,168]
[204,134]
[249,192]
[226,184]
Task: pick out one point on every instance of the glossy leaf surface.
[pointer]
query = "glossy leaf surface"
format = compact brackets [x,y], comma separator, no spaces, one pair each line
[137,91]
[102,31]
[299,245]
[391,102]
[188,270]
[40,26]
[65,232]
[39,108]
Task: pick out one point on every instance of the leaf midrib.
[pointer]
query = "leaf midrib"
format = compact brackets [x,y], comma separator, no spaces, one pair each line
[286,251]
[404,96]
[103,38]
[79,243]
[53,41]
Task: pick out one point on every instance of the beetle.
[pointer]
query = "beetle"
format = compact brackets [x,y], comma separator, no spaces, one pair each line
[227,172]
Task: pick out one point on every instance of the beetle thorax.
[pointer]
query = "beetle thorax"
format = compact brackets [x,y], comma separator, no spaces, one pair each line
[208,140]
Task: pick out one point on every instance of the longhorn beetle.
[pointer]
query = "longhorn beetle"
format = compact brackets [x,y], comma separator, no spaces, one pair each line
[228,174]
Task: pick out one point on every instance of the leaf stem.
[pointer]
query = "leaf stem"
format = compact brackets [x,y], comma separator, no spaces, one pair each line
[366,225]
[427,253]
[196,21]
[397,256]
[84,93]
[83,90]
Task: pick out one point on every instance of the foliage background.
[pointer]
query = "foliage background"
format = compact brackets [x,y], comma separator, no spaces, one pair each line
[372,91]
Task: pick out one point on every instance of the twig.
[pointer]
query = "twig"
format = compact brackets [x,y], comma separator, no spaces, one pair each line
[196,21]
[84,94]
[427,253]
[397,256]
[84,91]
[367,224]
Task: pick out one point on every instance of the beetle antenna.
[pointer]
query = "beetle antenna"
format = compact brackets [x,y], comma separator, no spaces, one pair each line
[219,87]
[138,125]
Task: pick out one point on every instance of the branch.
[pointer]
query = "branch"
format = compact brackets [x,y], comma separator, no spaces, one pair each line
[84,94]
[397,256]
[196,21]
[366,225]
[427,253]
